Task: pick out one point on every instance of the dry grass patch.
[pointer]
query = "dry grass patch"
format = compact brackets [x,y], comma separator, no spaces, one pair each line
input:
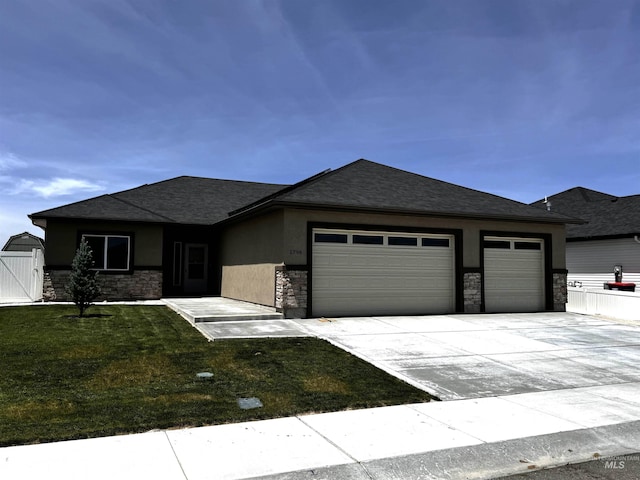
[226,360]
[134,372]
[180,397]
[83,351]
[34,410]
[325,384]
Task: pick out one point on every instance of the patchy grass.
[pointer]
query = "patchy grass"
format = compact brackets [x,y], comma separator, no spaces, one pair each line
[128,369]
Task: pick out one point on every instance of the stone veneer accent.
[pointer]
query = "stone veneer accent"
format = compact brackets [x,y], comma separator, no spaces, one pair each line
[291,292]
[560,291]
[48,290]
[472,292]
[139,285]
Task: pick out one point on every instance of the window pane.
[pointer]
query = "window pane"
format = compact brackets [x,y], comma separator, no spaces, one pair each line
[368,239]
[435,242]
[196,263]
[117,253]
[330,238]
[528,246]
[196,255]
[497,244]
[97,248]
[405,241]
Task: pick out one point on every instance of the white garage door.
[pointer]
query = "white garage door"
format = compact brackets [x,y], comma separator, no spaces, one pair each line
[381,273]
[513,274]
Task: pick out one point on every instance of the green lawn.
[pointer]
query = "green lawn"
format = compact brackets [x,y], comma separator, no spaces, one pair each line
[133,368]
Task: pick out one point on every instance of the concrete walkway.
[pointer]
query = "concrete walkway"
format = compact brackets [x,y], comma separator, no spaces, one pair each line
[214,309]
[513,426]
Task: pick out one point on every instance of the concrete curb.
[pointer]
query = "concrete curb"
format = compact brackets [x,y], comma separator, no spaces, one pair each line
[488,460]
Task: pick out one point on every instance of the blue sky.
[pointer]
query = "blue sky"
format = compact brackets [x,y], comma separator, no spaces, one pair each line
[521,98]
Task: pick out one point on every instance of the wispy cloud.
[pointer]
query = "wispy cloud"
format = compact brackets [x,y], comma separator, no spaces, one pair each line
[9,161]
[57,187]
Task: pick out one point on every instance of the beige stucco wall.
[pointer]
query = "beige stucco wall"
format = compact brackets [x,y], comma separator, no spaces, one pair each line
[295,232]
[62,241]
[249,253]
[252,283]
[254,241]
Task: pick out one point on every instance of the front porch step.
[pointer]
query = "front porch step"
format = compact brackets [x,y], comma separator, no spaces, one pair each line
[220,309]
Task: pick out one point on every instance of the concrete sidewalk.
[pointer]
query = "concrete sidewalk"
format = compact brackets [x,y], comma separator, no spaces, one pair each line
[463,439]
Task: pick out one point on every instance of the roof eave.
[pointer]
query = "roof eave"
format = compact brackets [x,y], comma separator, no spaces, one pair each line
[42,220]
[391,210]
[583,238]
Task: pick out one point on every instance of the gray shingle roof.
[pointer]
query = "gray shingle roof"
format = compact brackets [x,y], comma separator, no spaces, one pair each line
[363,185]
[368,185]
[185,200]
[607,215]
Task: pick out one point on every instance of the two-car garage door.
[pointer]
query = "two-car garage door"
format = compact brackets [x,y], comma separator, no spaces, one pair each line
[382,273]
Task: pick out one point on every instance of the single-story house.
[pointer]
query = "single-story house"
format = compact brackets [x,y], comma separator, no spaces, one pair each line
[364,239]
[23,242]
[610,236]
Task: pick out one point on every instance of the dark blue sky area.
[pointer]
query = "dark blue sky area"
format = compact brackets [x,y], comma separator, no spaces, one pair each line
[521,98]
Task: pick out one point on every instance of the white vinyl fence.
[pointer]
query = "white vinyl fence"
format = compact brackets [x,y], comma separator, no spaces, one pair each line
[21,275]
[609,303]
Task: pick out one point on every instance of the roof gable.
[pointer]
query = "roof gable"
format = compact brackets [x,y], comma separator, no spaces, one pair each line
[196,200]
[606,215]
[368,185]
[577,196]
[185,200]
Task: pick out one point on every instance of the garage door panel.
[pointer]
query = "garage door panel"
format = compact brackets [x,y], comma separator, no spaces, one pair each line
[385,284]
[514,276]
[383,306]
[355,279]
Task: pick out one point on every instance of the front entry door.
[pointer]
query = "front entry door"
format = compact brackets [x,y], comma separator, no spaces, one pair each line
[195,268]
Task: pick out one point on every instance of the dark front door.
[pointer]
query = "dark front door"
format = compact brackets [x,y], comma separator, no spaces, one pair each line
[195,268]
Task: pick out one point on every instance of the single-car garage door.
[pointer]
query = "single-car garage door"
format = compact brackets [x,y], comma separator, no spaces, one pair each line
[513,274]
[381,273]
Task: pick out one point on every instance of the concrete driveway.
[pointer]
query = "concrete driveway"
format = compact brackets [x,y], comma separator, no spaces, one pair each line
[474,356]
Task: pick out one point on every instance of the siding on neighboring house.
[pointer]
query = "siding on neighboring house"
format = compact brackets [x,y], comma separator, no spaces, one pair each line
[591,262]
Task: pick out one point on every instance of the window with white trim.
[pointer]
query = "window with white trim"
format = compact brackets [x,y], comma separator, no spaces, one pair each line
[110,252]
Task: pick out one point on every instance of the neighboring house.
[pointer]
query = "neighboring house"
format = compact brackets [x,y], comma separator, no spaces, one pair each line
[609,237]
[23,242]
[365,239]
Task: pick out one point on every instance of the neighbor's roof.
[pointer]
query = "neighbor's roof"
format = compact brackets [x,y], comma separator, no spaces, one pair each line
[184,200]
[367,185]
[607,215]
[361,185]
[23,242]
